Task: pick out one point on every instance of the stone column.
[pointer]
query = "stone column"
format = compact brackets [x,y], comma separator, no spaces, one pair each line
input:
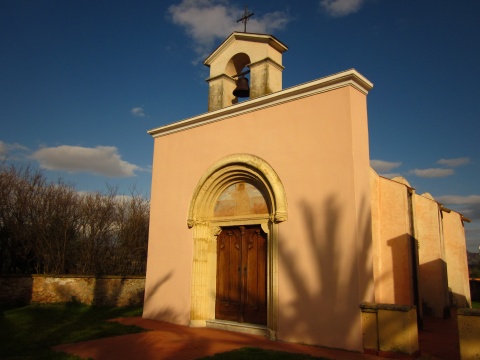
[220,93]
[204,273]
[265,77]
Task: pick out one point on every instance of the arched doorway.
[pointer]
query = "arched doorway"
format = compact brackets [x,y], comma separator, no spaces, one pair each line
[234,213]
[241,283]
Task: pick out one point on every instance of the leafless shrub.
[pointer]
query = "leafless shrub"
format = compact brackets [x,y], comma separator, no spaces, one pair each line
[132,230]
[56,225]
[48,227]
[18,211]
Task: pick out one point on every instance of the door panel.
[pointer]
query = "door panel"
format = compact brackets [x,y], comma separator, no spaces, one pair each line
[228,278]
[242,275]
[255,304]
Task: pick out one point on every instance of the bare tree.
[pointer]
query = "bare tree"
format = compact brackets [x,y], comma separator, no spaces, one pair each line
[56,227]
[48,227]
[20,189]
[132,232]
[97,227]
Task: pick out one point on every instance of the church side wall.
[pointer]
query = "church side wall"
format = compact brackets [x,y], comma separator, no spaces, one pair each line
[318,154]
[376,233]
[455,256]
[394,281]
[432,266]
[440,238]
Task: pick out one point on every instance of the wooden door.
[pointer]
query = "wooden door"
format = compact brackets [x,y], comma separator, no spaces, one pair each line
[242,275]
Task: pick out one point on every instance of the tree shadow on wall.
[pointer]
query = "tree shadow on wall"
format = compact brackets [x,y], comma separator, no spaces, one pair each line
[324,306]
[324,303]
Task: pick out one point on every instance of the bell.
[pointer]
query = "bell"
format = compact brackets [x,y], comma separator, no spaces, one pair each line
[242,90]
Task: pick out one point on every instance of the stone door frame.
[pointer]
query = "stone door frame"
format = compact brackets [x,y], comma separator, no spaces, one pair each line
[227,171]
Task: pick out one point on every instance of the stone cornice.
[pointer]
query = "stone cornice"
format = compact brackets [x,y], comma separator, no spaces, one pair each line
[252,37]
[269,61]
[221,76]
[346,78]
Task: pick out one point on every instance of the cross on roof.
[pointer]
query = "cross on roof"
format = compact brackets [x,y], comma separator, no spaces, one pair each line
[244,19]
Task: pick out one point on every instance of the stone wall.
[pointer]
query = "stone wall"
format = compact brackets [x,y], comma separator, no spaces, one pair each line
[102,290]
[390,330]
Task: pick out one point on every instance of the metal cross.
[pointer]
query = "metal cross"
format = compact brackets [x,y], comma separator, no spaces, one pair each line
[244,19]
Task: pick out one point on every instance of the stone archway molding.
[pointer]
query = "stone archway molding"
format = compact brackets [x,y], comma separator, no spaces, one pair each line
[240,167]
[225,172]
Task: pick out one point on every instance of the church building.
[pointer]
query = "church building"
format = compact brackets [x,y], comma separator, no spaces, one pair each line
[267,218]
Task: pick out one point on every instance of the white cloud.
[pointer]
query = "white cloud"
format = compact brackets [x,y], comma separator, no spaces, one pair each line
[454,162]
[381,166]
[116,197]
[138,111]
[339,8]
[207,21]
[101,160]
[433,173]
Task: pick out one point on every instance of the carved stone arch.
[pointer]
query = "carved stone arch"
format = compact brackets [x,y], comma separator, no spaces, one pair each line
[235,168]
[206,227]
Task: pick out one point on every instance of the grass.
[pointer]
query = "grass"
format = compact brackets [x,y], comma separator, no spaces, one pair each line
[259,354]
[29,332]
[475,304]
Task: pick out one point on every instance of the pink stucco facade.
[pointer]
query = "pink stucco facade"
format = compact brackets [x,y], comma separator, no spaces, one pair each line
[318,146]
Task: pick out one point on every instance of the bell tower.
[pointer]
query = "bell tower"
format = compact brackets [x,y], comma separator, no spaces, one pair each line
[262,56]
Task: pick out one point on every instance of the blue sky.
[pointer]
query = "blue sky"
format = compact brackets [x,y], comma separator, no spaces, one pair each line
[82,81]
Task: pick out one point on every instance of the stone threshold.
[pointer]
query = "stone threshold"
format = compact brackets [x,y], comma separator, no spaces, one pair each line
[239,327]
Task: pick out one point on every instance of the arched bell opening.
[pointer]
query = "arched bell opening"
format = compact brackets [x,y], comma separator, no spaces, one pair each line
[237,64]
[240,192]
[237,68]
